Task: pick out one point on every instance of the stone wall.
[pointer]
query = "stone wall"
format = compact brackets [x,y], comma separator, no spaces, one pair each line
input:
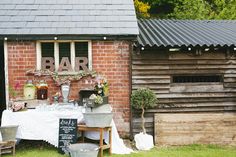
[195,128]
[110,59]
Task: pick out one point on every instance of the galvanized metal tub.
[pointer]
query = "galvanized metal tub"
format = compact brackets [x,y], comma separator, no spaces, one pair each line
[8,132]
[93,119]
[83,150]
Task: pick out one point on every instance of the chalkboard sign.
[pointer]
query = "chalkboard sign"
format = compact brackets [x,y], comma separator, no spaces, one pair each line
[67,134]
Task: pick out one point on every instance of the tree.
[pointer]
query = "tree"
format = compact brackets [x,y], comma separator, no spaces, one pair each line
[227,10]
[142,9]
[204,9]
[160,8]
[192,9]
[143,98]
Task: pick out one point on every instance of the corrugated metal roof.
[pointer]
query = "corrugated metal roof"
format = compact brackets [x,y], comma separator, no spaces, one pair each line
[176,33]
[65,17]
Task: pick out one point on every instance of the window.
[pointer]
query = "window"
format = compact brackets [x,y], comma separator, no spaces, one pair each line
[64,55]
[64,51]
[81,50]
[47,52]
[196,78]
[47,49]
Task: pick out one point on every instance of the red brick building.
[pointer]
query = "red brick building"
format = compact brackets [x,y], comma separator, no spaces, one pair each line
[100,31]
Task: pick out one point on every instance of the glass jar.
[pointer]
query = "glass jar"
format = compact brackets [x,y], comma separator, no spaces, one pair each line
[42,90]
[29,90]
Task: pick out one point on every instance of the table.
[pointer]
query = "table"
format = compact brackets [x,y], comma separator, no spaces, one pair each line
[44,125]
[101,131]
[38,125]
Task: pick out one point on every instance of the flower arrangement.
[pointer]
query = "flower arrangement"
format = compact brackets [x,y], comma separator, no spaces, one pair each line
[62,78]
[101,86]
[98,100]
[15,104]
[14,91]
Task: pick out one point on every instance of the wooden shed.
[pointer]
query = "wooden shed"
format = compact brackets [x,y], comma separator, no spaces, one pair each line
[191,66]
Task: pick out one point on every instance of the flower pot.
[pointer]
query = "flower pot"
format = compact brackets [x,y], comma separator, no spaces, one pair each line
[98,119]
[143,141]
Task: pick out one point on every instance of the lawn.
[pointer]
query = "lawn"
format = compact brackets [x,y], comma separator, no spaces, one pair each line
[41,149]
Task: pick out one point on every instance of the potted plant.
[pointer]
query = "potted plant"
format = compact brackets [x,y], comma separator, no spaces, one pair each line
[143,98]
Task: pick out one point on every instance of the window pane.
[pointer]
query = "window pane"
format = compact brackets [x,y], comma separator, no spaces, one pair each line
[64,51]
[47,49]
[47,62]
[197,79]
[81,49]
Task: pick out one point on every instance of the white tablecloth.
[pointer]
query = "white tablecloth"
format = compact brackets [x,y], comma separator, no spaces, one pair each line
[44,125]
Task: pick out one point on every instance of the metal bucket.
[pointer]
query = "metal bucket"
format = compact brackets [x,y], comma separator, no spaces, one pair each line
[83,150]
[97,119]
[8,132]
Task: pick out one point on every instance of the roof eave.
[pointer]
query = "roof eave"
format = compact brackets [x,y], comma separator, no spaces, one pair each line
[68,37]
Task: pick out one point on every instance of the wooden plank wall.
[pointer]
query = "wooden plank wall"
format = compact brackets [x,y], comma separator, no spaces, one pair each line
[154,69]
[195,128]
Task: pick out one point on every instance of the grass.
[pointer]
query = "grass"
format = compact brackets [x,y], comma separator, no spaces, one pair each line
[41,149]
[186,151]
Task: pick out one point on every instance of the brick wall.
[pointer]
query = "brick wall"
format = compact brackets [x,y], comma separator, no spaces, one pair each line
[21,56]
[110,58]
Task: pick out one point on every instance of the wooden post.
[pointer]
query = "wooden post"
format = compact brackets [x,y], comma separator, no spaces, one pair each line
[101,142]
[110,140]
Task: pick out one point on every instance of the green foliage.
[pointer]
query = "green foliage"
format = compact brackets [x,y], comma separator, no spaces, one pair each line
[142,9]
[204,9]
[143,98]
[197,9]
[192,9]
[161,8]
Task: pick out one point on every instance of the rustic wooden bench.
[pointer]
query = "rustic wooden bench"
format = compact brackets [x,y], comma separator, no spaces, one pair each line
[7,147]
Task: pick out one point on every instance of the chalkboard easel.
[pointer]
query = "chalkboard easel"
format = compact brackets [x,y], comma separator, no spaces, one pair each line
[67,134]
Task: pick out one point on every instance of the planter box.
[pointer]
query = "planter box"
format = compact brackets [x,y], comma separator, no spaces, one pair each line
[97,119]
